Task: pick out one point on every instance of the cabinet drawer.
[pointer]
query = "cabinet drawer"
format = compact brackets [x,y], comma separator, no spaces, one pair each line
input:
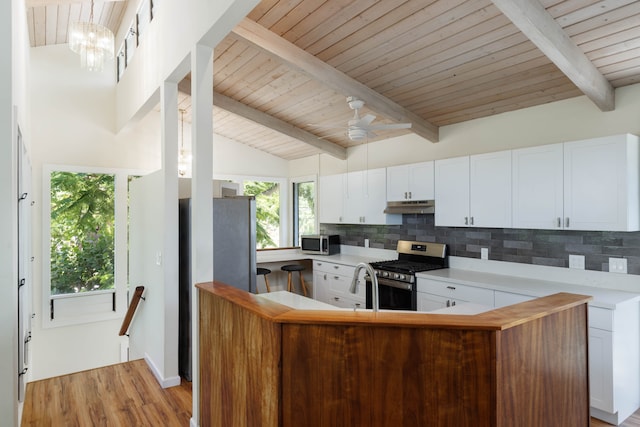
[460,292]
[503,299]
[330,267]
[601,318]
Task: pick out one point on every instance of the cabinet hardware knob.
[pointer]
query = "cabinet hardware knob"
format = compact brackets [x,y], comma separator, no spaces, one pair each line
[453,288]
[559,222]
[410,195]
[453,303]
[466,220]
[471,220]
[566,222]
[336,298]
[405,194]
[325,277]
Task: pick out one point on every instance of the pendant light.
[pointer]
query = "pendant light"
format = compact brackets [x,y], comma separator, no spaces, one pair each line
[92,42]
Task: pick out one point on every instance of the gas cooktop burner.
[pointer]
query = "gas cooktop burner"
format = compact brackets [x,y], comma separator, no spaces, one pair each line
[406,267]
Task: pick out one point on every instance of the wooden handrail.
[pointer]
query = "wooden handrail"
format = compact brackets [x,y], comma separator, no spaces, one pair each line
[132,309]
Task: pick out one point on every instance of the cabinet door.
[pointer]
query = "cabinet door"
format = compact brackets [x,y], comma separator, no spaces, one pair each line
[331,199]
[375,199]
[452,192]
[397,183]
[421,181]
[490,190]
[354,208]
[601,369]
[596,184]
[503,299]
[320,285]
[538,187]
[428,302]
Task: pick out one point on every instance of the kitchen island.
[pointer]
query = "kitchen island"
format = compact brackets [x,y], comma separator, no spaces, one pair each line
[266,364]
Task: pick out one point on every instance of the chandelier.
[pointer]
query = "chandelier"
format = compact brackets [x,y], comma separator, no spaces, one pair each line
[92,42]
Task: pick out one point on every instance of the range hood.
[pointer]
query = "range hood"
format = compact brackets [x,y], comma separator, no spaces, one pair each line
[411,207]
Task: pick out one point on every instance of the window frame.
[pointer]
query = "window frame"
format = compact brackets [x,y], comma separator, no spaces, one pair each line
[76,312]
[293,204]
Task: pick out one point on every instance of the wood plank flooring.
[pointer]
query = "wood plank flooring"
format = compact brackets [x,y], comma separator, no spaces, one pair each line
[125,394]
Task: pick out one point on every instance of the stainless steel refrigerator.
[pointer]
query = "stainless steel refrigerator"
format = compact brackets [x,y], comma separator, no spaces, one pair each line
[234,259]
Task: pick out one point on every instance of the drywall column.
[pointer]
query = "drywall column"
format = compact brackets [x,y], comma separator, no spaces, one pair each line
[169,118]
[201,190]
[8,228]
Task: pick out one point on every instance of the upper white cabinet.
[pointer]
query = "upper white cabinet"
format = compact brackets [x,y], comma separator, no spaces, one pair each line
[355,198]
[538,192]
[474,190]
[410,182]
[331,198]
[601,184]
[581,185]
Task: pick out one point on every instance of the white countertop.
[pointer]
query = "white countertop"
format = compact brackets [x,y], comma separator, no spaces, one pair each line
[349,255]
[605,298]
[296,301]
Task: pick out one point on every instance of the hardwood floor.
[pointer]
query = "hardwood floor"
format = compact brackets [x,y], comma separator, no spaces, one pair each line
[125,394]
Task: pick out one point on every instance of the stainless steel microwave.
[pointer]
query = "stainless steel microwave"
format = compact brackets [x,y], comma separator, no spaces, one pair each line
[320,245]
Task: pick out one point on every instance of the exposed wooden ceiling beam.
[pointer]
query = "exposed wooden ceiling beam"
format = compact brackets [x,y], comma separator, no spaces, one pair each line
[274,45]
[534,21]
[256,116]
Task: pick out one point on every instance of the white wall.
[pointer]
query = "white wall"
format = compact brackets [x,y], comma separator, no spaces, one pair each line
[13,86]
[75,114]
[572,119]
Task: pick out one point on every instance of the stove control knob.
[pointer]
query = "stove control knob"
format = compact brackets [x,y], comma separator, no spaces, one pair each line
[396,276]
[402,277]
[385,274]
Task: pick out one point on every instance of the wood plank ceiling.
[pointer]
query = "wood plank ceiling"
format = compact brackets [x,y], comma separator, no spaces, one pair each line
[281,78]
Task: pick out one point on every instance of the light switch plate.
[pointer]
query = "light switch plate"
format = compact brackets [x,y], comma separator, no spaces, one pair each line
[576,261]
[618,265]
[484,253]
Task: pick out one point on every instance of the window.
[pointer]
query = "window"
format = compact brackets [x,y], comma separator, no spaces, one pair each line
[85,223]
[267,194]
[304,209]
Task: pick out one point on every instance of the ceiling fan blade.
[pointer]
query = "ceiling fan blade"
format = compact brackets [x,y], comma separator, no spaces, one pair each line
[389,126]
[365,121]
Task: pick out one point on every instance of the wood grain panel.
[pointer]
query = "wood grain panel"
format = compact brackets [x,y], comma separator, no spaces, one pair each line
[239,366]
[544,364]
[346,376]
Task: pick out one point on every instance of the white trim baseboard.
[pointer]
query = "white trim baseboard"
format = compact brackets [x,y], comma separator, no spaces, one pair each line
[164,382]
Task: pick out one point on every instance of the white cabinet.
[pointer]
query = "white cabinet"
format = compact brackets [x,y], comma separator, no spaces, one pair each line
[331,191]
[614,371]
[581,185]
[538,187]
[331,284]
[601,184]
[435,294]
[411,182]
[503,299]
[474,190]
[355,198]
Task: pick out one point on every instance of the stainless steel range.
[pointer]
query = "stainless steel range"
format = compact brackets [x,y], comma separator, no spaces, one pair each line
[397,278]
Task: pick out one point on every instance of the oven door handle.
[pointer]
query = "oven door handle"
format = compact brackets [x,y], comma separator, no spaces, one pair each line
[392,283]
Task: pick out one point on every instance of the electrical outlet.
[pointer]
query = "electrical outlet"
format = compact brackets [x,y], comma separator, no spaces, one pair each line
[484,253]
[576,261]
[618,265]
[366,243]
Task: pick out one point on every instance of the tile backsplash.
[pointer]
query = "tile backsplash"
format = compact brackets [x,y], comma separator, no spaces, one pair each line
[542,247]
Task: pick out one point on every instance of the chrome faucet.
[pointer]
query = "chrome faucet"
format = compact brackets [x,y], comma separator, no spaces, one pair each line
[374,283]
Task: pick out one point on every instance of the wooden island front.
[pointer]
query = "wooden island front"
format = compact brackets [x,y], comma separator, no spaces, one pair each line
[265,364]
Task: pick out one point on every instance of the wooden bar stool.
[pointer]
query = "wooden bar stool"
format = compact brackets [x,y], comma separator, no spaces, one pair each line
[290,268]
[263,272]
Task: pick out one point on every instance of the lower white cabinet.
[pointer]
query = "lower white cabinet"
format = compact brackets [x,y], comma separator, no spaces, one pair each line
[614,367]
[331,284]
[434,294]
[503,299]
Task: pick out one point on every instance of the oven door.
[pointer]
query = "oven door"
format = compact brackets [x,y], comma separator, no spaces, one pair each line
[393,295]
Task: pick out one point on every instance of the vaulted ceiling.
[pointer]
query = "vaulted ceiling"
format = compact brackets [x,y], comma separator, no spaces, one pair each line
[282,76]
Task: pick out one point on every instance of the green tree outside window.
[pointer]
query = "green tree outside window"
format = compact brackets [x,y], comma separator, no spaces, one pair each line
[267,196]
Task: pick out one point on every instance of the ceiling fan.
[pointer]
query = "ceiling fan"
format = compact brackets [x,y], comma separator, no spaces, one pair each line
[359,128]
